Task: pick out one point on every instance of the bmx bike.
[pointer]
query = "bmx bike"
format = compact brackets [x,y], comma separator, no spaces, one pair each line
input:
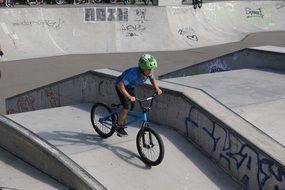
[197,3]
[149,143]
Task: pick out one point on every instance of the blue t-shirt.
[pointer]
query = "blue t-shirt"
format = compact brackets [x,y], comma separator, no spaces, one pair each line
[132,77]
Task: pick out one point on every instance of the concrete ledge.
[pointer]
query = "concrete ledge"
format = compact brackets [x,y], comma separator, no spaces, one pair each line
[246,58]
[247,154]
[43,156]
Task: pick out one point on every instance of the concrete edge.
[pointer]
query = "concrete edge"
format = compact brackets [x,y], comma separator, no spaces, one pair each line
[47,158]
[233,61]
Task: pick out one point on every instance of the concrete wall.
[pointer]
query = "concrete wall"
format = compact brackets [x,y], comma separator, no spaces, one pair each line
[247,154]
[78,30]
[43,156]
[246,58]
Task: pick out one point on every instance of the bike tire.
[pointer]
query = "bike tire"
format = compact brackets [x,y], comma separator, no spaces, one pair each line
[158,143]
[194,2]
[146,2]
[99,110]
[59,2]
[98,1]
[199,3]
[77,2]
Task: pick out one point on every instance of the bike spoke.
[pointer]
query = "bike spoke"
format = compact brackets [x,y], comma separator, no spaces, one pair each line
[150,151]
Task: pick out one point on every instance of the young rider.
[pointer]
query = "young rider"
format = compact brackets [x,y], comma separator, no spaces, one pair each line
[128,81]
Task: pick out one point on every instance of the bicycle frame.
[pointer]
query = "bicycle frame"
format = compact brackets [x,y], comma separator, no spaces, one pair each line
[138,116]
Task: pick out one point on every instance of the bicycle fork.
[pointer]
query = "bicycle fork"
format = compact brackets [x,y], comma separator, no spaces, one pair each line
[150,145]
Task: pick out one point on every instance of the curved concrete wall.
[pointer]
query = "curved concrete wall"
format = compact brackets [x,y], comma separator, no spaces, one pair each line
[247,154]
[47,158]
[40,32]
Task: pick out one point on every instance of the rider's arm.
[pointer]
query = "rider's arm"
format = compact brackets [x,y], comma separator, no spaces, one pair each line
[122,88]
[156,87]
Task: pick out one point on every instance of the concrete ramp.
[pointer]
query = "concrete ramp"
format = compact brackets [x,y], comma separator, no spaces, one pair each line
[247,153]
[115,161]
[40,32]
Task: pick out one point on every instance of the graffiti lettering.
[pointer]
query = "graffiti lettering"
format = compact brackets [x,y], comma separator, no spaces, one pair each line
[141,15]
[133,30]
[56,25]
[253,169]
[25,103]
[253,13]
[189,33]
[279,6]
[217,66]
[52,98]
[101,14]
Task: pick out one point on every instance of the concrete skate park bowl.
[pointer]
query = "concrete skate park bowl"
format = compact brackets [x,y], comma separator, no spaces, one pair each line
[41,32]
[246,153]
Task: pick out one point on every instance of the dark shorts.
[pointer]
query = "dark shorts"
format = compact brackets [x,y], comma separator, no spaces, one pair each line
[124,101]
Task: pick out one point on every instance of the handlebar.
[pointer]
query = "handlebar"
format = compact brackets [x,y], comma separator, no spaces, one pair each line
[140,101]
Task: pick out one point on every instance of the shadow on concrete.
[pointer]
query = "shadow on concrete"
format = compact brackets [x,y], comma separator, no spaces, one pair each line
[193,153]
[19,166]
[63,138]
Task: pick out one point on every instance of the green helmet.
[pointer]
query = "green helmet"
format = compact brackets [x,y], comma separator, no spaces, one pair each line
[147,61]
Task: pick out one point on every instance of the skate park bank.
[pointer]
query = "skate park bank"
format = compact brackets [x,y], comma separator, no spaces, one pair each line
[250,156]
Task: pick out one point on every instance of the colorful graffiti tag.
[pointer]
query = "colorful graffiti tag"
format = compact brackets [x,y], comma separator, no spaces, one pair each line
[252,168]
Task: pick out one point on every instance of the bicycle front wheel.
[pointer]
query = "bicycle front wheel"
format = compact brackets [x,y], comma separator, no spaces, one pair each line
[99,111]
[194,2]
[150,146]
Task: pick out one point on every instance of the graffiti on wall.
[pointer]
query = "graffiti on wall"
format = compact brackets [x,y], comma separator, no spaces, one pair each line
[217,66]
[50,24]
[138,28]
[105,14]
[27,103]
[189,33]
[52,98]
[23,104]
[131,30]
[250,13]
[253,169]
[141,15]
[279,6]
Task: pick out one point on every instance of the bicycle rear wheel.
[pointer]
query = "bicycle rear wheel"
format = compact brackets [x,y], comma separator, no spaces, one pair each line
[199,3]
[150,146]
[98,111]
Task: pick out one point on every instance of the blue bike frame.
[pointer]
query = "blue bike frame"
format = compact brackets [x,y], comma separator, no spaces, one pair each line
[138,116]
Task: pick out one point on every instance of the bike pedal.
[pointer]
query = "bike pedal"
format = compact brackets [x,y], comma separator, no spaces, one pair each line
[119,135]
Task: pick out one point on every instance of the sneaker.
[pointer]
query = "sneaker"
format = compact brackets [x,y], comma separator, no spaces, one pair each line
[121,132]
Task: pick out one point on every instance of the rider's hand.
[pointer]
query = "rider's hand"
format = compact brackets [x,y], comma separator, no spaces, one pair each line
[158,91]
[132,98]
